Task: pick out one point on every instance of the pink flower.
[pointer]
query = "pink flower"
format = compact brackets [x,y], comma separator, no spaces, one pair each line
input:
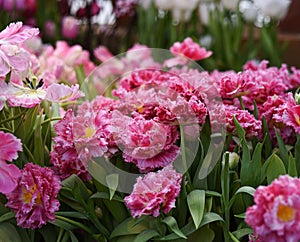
[9,147]
[35,198]
[146,143]
[251,126]
[275,215]
[63,93]
[189,49]
[102,53]
[291,115]
[154,192]
[9,175]
[12,57]
[70,27]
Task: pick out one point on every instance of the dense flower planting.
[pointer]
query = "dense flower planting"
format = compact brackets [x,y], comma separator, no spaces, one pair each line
[65,121]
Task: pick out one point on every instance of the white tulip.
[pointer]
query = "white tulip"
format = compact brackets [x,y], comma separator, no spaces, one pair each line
[276,9]
[164,4]
[185,4]
[205,8]
[249,11]
[145,3]
[230,4]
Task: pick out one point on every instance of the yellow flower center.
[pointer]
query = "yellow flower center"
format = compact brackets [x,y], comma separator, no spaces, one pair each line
[285,213]
[27,195]
[89,132]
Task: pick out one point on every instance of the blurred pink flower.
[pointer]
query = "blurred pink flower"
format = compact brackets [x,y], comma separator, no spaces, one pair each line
[12,57]
[188,49]
[155,192]
[9,147]
[291,114]
[275,215]
[10,5]
[70,28]
[49,28]
[63,93]
[35,198]
[9,175]
[102,53]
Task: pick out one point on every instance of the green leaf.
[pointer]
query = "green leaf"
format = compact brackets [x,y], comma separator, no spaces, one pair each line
[246,189]
[73,237]
[112,182]
[72,214]
[275,168]
[130,226]
[146,235]
[74,181]
[292,169]
[80,75]
[8,233]
[117,209]
[206,234]
[104,195]
[242,215]
[283,153]
[7,216]
[242,232]
[172,224]
[196,203]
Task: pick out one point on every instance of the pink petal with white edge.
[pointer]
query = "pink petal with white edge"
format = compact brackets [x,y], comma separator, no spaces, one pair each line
[19,96]
[9,174]
[63,93]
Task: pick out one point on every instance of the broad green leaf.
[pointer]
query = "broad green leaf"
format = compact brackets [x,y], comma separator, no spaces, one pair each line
[130,226]
[233,238]
[74,181]
[146,235]
[212,194]
[244,189]
[117,209]
[205,233]
[172,224]
[275,168]
[62,224]
[196,203]
[80,75]
[112,182]
[8,233]
[73,237]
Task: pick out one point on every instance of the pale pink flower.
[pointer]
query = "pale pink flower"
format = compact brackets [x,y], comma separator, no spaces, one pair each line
[12,57]
[63,93]
[102,53]
[275,215]
[35,198]
[188,49]
[247,120]
[70,28]
[154,192]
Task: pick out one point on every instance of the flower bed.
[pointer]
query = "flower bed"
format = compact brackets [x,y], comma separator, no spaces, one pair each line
[146,146]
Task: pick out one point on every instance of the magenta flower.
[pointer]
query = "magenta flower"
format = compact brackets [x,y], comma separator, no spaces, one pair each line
[9,175]
[70,28]
[154,192]
[63,93]
[35,198]
[12,57]
[291,115]
[275,215]
[251,125]
[102,53]
[188,48]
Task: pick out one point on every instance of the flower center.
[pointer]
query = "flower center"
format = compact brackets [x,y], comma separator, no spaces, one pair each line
[89,132]
[285,213]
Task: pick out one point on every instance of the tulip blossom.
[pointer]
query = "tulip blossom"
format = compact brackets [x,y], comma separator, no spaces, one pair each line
[35,198]
[275,215]
[154,192]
